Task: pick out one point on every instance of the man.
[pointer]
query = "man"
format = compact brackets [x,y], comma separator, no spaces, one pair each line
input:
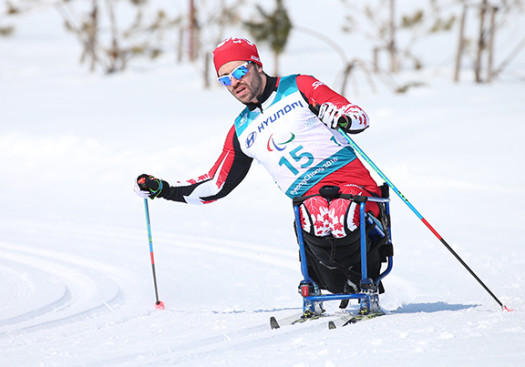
[289,126]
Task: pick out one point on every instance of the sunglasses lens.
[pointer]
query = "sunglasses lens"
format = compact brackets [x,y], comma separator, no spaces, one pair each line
[238,73]
[225,80]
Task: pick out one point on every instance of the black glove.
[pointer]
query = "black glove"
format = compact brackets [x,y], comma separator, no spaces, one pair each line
[147,186]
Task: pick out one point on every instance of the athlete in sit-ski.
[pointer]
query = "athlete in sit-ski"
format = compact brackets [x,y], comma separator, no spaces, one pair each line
[301,150]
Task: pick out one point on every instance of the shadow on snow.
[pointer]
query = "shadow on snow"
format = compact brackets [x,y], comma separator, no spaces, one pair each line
[431,307]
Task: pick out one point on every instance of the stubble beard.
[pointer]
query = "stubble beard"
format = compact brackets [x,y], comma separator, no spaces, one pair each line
[252,90]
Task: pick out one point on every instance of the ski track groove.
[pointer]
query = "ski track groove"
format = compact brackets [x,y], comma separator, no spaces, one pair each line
[244,250]
[249,337]
[85,292]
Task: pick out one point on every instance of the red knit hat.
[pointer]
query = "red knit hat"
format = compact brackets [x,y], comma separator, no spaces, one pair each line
[233,49]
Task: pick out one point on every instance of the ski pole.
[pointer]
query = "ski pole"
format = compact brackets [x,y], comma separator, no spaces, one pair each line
[159,305]
[414,210]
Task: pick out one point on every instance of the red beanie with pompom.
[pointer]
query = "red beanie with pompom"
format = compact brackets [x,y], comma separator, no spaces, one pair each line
[233,49]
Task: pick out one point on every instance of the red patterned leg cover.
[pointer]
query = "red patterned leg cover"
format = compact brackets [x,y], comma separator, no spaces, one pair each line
[314,216]
[343,214]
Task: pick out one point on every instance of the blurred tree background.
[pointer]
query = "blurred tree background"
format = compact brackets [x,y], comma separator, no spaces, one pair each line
[272,29]
[112,34]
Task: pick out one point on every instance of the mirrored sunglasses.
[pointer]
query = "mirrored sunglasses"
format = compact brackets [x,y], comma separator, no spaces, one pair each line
[237,73]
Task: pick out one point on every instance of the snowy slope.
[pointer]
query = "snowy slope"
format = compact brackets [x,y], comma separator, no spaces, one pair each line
[75,271]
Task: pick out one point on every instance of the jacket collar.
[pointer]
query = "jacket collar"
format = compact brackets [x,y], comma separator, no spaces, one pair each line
[271,86]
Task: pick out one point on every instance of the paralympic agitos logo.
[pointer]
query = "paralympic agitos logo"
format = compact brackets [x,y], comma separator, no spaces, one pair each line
[273,143]
[280,145]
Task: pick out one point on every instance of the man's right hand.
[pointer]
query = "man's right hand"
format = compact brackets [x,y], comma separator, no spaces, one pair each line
[147,186]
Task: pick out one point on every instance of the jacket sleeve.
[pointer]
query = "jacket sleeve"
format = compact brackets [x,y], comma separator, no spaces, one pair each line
[316,92]
[227,172]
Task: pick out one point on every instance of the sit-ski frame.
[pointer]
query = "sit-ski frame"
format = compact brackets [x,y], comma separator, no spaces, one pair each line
[368,296]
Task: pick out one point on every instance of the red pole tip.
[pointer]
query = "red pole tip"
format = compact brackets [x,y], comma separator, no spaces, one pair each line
[505,308]
[159,305]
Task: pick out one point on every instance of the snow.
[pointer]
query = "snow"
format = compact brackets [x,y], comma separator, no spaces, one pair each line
[75,271]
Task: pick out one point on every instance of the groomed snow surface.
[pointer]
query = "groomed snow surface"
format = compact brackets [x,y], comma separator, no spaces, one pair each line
[75,272]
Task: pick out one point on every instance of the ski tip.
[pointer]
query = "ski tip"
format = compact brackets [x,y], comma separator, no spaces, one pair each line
[353,320]
[274,324]
[331,325]
[159,305]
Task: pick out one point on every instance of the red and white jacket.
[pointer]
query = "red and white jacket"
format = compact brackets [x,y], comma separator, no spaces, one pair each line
[281,132]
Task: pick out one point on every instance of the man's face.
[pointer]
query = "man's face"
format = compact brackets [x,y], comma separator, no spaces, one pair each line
[250,86]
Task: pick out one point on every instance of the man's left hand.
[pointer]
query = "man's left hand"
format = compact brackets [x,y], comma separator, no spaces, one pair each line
[334,117]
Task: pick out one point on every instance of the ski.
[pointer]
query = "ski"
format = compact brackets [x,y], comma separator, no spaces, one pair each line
[345,320]
[339,319]
[295,319]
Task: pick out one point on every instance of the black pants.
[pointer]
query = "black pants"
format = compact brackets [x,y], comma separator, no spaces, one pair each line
[331,262]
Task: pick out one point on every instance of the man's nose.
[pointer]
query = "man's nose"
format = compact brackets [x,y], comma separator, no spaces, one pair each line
[234,82]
